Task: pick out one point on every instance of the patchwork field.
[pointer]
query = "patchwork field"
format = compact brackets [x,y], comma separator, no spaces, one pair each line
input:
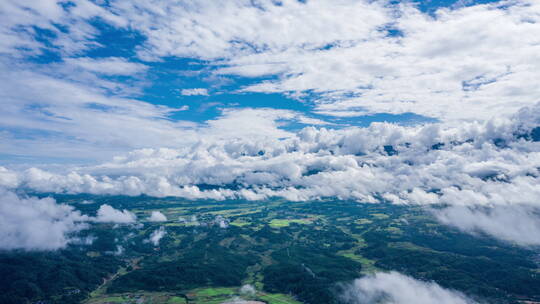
[268,252]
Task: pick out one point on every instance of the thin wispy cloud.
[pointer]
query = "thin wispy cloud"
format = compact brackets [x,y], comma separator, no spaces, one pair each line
[194,92]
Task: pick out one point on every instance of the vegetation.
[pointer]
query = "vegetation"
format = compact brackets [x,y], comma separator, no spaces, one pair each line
[288,252]
[65,276]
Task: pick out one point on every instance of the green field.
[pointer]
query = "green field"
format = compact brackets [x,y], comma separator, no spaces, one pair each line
[288,252]
[278,223]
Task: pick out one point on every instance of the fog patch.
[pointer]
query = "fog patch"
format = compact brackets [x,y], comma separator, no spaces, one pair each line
[156,236]
[518,223]
[396,288]
[248,289]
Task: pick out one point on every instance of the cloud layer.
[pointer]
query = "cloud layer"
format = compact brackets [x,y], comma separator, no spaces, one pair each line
[471,164]
[485,169]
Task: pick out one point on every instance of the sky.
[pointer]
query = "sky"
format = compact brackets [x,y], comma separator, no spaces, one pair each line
[84,81]
[404,102]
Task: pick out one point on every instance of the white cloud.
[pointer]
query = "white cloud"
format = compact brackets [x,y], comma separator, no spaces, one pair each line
[32,223]
[475,164]
[156,236]
[395,288]
[350,163]
[157,216]
[81,120]
[107,214]
[341,53]
[8,178]
[338,52]
[221,222]
[107,66]
[513,223]
[194,92]
[211,30]
[76,119]
[20,20]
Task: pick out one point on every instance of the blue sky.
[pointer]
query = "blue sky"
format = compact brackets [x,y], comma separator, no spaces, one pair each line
[169,68]
[167,77]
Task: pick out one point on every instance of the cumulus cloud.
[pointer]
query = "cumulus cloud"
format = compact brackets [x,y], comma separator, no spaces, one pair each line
[471,164]
[156,236]
[494,163]
[82,107]
[157,216]
[8,178]
[396,288]
[194,92]
[32,223]
[107,214]
[213,30]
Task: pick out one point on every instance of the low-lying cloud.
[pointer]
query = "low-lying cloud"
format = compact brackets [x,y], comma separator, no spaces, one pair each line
[489,164]
[513,223]
[396,288]
[157,216]
[32,223]
[107,214]
[37,224]
[156,236]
